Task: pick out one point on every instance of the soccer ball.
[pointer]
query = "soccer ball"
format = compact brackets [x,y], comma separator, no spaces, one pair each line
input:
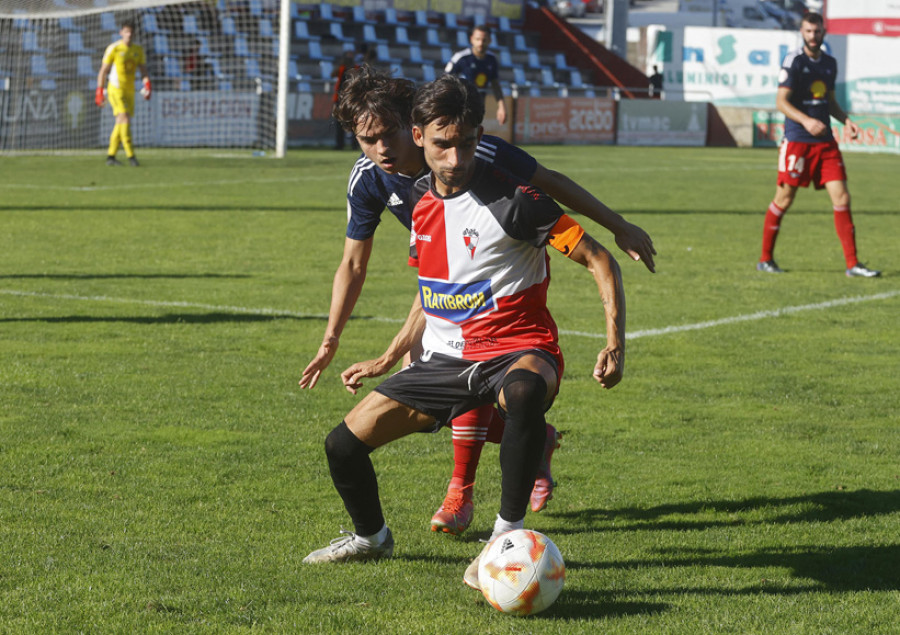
[522,572]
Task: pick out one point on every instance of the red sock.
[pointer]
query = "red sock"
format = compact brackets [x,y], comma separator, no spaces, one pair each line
[843,223]
[469,433]
[771,225]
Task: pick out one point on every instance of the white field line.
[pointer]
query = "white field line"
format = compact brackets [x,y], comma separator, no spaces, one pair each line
[697,326]
[130,186]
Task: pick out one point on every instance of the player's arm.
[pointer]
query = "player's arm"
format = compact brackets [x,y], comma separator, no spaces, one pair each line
[101,82]
[783,102]
[835,110]
[597,259]
[348,283]
[630,238]
[410,334]
[501,104]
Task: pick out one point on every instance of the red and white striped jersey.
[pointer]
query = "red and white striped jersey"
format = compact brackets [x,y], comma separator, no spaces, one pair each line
[483,266]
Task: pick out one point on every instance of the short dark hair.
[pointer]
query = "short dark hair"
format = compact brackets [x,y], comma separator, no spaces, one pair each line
[448,100]
[367,93]
[814,18]
[484,28]
[127,24]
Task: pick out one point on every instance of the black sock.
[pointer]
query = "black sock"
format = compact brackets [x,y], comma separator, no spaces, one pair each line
[523,440]
[354,478]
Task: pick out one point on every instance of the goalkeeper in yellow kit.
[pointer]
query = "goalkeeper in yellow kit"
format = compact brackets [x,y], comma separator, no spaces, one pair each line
[120,61]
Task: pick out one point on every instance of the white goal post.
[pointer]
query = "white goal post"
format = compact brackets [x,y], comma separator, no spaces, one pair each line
[219,71]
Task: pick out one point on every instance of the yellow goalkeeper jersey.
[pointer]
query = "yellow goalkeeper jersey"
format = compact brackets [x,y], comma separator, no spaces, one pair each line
[124,60]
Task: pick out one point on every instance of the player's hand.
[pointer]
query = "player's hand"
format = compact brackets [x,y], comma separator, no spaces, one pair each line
[853,128]
[610,367]
[353,376]
[146,90]
[99,97]
[319,363]
[815,127]
[635,242]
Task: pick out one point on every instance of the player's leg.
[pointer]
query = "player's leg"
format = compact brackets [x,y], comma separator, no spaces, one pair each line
[125,127]
[784,197]
[527,389]
[114,95]
[375,421]
[469,432]
[846,231]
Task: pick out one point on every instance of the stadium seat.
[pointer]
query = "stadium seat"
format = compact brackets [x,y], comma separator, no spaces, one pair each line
[383,54]
[450,21]
[428,74]
[370,36]
[68,24]
[561,64]
[301,31]
[48,84]
[108,22]
[359,16]
[171,67]
[265,28]
[189,25]
[401,36]
[533,60]
[225,86]
[256,8]
[325,69]
[337,32]
[39,67]
[415,54]
[503,25]
[184,85]
[76,44]
[575,80]
[304,87]
[229,27]
[547,77]
[325,12]
[519,76]
[315,50]
[161,44]
[462,40]
[149,23]
[84,67]
[520,43]
[241,48]
[506,60]
[30,43]
[253,69]
[216,67]
[391,17]
[293,69]
[420,19]
[432,38]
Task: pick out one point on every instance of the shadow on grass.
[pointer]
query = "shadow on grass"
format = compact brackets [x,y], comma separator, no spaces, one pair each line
[822,507]
[832,568]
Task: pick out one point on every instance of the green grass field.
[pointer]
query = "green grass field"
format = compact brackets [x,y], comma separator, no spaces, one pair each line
[162,472]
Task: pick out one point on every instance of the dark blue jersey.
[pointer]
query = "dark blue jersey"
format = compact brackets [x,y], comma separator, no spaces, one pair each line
[810,82]
[371,189]
[479,71]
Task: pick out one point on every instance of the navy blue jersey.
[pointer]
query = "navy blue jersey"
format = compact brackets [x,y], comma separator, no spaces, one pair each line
[810,82]
[371,189]
[480,72]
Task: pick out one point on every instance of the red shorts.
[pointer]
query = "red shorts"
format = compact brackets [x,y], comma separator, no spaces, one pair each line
[800,164]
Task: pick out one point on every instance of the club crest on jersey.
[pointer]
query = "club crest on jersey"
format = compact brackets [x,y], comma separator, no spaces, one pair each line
[456,302]
[470,237]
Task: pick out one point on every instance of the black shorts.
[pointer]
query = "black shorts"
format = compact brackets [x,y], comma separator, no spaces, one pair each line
[446,387]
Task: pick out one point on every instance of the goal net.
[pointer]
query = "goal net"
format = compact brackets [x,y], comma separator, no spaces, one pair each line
[213,65]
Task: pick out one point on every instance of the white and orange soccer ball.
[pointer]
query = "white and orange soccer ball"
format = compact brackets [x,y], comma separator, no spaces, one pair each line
[522,572]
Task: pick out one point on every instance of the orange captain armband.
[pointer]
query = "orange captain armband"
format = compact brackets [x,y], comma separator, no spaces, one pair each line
[565,235]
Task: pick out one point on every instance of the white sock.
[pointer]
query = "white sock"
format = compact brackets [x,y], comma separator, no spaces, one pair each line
[502,526]
[375,539]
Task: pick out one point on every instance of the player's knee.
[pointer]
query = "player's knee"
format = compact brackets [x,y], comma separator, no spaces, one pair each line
[524,393]
[342,445]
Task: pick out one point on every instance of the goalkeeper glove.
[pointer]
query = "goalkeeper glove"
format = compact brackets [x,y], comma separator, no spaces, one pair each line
[145,91]
[99,97]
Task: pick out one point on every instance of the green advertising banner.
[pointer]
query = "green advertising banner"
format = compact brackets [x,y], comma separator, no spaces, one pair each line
[879,133]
